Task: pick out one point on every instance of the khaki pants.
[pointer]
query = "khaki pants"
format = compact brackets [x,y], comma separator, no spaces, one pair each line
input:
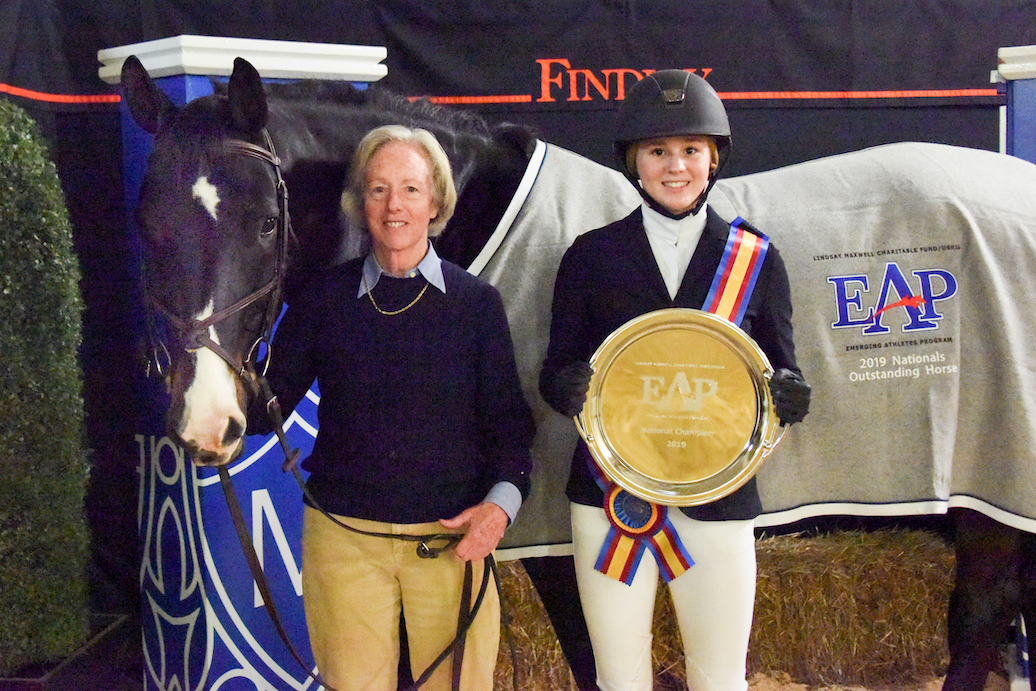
[354,588]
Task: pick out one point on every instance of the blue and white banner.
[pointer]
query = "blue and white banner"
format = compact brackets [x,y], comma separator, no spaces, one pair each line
[205,624]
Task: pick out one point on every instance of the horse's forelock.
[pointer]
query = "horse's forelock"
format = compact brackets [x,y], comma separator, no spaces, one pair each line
[206,119]
[187,145]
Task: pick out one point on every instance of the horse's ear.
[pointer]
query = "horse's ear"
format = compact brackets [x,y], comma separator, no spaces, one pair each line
[148,104]
[247,98]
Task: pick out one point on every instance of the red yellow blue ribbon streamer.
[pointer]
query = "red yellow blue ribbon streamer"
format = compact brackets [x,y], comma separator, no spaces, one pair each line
[737,274]
[637,526]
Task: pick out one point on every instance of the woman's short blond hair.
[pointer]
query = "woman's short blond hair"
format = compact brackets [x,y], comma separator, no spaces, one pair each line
[444,193]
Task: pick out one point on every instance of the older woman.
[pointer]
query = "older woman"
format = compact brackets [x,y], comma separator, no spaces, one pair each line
[423,429]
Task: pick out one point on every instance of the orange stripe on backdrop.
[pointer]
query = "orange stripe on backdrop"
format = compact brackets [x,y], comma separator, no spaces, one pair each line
[58,98]
[479,100]
[752,95]
[527,98]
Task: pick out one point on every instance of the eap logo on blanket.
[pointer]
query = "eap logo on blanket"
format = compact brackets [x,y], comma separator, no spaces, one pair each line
[919,296]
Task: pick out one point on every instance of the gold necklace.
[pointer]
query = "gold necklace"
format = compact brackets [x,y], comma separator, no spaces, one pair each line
[394,312]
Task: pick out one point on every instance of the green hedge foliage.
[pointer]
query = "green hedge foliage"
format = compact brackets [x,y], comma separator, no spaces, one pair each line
[43,464]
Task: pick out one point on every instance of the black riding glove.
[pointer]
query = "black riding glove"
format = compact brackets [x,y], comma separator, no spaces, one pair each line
[791,396]
[566,390]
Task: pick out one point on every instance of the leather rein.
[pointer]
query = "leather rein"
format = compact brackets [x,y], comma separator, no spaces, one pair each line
[196,336]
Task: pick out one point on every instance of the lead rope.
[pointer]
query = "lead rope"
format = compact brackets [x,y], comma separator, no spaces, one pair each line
[257,571]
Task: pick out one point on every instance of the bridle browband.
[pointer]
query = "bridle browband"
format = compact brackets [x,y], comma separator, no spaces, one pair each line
[196,336]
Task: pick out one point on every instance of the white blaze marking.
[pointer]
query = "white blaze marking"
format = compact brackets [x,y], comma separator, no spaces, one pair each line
[206,193]
[211,399]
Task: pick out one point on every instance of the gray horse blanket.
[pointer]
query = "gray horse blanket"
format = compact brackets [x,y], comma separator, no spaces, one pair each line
[911,268]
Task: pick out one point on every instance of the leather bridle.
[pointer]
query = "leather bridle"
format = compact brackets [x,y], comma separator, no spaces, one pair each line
[195,333]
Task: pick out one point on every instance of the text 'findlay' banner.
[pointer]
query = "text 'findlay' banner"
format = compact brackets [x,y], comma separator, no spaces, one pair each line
[801,80]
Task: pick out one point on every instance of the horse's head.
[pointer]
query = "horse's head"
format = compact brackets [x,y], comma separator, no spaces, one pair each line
[212,219]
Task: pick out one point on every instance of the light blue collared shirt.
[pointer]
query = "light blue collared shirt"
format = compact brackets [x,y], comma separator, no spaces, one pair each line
[504,494]
[430,267]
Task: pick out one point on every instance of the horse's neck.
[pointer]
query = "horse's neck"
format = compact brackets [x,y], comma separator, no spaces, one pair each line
[496,171]
[314,160]
[304,133]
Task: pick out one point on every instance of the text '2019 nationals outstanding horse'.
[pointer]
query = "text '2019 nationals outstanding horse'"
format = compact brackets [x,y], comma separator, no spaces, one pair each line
[910,268]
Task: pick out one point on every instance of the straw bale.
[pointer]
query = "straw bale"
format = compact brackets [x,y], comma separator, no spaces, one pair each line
[844,609]
[852,608]
[541,665]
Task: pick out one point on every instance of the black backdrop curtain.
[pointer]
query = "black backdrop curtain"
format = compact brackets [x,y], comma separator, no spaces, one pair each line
[783,60]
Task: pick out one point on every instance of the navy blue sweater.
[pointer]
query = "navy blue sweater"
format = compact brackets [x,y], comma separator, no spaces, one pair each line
[420,412]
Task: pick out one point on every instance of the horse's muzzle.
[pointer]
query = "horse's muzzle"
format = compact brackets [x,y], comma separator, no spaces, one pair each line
[212,459]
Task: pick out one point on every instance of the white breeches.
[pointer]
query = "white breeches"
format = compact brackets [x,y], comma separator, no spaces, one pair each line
[713,600]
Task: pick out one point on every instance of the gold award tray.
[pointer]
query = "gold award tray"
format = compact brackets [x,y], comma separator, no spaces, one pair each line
[679,410]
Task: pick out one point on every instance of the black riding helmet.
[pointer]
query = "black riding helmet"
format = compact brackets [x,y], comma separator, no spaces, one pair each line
[671,103]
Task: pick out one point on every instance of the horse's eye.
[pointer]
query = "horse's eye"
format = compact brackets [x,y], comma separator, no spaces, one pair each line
[269,226]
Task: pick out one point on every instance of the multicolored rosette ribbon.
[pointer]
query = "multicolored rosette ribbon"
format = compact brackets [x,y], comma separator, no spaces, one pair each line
[638,525]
